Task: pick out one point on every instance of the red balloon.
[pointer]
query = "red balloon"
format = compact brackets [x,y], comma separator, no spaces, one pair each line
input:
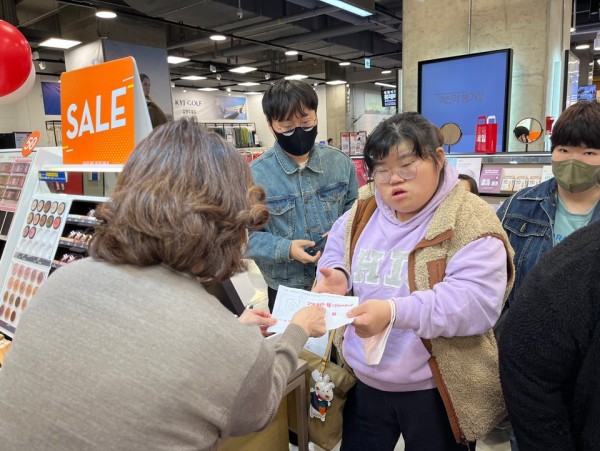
[15,59]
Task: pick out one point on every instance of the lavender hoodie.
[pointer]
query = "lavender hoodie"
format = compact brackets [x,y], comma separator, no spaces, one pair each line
[466,302]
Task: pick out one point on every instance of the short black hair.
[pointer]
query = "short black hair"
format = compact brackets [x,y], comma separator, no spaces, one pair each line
[472,183]
[520,131]
[287,98]
[410,128]
[578,125]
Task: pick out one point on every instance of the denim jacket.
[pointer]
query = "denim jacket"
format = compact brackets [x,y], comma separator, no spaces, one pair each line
[528,218]
[303,204]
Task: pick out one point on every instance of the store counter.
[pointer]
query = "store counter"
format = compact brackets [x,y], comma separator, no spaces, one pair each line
[275,436]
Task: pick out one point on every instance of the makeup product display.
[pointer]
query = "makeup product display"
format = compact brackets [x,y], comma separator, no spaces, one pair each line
[43,229]
[23,282]
[32,260]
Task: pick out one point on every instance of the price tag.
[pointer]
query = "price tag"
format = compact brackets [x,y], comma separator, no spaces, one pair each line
[30,143]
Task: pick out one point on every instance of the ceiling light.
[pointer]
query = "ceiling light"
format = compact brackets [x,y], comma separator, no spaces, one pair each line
[218,76]
[291,52]
[176,59]
[385,72]
[228,89]
[336,82]
[572,29]
[208,89]
[344,63]
[249,83]
[193,77]
[184,90]
[387,85]
[582,47]
[348,7]
[105,14]
[42,65]
[597,42]
[242,69]
[296,77]
[218,37]
[57,43]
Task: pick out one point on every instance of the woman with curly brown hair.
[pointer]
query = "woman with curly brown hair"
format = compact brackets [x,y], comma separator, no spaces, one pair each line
[126,350]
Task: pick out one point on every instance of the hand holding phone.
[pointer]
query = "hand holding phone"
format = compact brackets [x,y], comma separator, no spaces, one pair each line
[319,246]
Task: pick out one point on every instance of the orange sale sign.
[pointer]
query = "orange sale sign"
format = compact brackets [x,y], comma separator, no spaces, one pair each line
[97,105]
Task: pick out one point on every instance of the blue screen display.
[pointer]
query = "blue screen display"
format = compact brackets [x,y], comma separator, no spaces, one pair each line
[460,89]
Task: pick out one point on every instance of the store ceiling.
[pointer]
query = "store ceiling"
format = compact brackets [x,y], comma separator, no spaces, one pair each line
[258,34]
[586,21]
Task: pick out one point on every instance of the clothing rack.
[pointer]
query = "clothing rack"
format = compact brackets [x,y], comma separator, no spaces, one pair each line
[240,134]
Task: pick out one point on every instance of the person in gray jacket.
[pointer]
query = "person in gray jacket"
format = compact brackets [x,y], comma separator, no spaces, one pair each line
[126,350]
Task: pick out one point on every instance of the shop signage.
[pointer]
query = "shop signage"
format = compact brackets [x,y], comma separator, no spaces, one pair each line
[104,113]
[49,176]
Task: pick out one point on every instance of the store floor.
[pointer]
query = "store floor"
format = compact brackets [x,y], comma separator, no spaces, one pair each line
[496,441]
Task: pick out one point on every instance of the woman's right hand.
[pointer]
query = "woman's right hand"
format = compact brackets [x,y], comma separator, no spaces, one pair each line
[311,319]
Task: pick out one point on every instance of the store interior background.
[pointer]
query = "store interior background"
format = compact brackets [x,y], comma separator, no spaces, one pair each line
[258,33]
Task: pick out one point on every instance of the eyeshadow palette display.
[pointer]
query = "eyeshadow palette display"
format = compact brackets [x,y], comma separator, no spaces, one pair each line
[23,282]
[32,259]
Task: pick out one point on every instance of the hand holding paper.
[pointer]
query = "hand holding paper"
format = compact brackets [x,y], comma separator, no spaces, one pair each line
[290,300]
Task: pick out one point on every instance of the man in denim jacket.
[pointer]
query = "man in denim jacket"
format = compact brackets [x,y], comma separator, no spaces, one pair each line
[538,218]
[308,187]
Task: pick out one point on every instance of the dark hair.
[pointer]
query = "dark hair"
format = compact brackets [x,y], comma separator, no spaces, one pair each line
[184,199]
[472,183]
[578,125]
[144,77]
[440,135]
[157,117]
[521,130]
[287,98]
[410,128]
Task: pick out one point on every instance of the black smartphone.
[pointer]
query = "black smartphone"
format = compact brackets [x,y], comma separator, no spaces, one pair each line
[319,246]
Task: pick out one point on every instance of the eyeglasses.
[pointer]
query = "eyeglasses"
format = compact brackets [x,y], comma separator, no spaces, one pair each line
[306,125]
[406,171]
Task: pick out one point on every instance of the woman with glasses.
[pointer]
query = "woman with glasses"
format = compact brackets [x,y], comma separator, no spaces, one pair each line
[309,186]
[431,267]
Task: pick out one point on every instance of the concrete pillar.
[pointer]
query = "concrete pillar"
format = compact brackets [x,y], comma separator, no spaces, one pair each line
[536,30]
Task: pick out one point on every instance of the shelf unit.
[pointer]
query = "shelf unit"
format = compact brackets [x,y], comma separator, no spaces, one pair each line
[53,231]
[524,165]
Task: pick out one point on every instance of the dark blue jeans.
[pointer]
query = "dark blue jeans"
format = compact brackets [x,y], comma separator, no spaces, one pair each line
[374,420]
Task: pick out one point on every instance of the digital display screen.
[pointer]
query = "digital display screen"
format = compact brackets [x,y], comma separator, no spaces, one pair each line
[388,97]
[463,88]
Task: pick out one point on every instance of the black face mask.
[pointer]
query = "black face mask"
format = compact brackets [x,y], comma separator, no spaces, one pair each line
[299,143]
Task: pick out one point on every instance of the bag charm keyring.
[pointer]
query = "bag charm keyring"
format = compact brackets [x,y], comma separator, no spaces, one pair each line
[320,395]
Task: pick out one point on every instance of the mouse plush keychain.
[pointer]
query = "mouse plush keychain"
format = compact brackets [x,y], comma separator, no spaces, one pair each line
[320,395]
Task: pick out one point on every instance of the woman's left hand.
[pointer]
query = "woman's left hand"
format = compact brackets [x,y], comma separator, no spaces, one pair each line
[371,317]
[261,318]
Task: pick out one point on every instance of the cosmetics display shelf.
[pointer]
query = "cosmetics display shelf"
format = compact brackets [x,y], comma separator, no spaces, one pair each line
[82,219]
[501,175]
[52,229]
[75,245]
